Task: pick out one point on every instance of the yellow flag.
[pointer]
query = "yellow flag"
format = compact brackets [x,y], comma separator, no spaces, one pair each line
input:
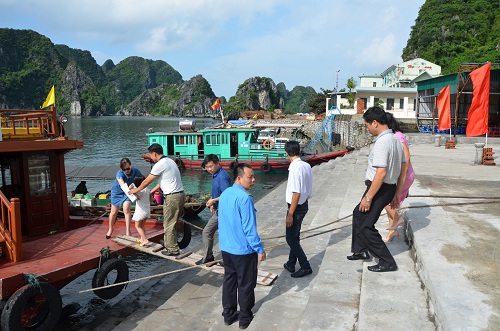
[51,98]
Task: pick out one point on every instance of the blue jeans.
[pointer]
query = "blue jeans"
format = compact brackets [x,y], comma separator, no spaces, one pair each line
[293,238]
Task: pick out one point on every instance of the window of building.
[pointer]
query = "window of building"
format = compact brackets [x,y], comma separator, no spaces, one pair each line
[374,84]
[390,104]
[401,103]
[365,102]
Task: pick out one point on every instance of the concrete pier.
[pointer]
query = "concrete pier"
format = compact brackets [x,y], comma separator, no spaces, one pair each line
[449,271]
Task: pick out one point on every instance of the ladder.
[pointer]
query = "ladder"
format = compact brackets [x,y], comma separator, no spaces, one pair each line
[323,135]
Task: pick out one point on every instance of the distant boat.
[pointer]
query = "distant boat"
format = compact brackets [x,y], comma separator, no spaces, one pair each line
[233,142]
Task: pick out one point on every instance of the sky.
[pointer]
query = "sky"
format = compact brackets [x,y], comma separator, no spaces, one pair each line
[316,43]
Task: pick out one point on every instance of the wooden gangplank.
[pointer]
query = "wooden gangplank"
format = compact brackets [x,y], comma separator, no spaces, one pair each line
[187,258]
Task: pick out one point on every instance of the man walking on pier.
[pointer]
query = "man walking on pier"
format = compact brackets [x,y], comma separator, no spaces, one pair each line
[381,179]
[298,191]
[241,247]
[220,182]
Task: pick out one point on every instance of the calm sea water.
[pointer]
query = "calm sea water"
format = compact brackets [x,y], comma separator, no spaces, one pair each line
[107,140]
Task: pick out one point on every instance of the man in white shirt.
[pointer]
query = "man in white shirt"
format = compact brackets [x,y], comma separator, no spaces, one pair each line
[170,183]
[298,191]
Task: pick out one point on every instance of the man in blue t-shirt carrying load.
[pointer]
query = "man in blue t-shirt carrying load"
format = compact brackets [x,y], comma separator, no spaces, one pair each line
[220,182]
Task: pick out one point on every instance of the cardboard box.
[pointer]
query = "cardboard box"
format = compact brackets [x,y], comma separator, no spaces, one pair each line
[82,202]
[88,202]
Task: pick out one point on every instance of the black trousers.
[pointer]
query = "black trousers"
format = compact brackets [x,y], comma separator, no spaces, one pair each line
[365,236]
[240,279]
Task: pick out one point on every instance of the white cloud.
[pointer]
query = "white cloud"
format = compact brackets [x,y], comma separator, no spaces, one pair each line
[227,41]
[380,52]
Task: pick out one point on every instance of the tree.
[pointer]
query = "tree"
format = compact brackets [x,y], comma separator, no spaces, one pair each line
[318,104]
[351,95]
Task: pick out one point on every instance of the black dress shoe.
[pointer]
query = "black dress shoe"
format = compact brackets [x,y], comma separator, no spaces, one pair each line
[359,256]
[203,261]
[166,252]
[231,320]
[301,273]
[379,268]
[292,270]
[244,326]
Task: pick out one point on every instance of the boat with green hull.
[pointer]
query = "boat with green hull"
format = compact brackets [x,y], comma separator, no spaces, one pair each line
[233,142]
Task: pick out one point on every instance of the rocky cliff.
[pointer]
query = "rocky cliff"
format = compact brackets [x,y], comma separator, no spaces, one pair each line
[30,64]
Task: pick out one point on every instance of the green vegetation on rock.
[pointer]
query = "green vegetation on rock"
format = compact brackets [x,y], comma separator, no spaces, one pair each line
[452,32]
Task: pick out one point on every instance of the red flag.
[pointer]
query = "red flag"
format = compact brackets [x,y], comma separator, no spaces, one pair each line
[216,104]
[443,105]
[477,123]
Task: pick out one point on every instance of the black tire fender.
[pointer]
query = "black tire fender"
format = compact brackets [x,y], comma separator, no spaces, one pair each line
[186,237]
[101,278]
[43,299]
[265,167]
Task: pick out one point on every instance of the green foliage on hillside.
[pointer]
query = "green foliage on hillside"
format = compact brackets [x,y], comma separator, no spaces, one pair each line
[452,32]
[132,76]
[27,59]
[85,62]
[298,100]
[318,104]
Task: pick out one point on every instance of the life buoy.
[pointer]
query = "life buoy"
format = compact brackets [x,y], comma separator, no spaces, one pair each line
[268,144]
[233,165]
[178,162]
[265,167]
[101,278]
[186,234]
[33,307]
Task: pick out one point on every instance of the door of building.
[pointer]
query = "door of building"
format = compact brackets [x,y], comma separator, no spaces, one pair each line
[43,203]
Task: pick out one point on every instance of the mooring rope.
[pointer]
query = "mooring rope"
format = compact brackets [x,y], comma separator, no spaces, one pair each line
[139,279]
[194,226]
[98,217]
[281,244]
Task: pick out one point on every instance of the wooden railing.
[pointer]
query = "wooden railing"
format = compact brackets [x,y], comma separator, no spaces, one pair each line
[10,227]
[25,124]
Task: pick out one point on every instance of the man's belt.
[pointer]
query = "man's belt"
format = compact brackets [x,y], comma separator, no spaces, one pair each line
[174,193]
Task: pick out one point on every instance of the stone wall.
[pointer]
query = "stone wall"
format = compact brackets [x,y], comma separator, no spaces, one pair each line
[349,131]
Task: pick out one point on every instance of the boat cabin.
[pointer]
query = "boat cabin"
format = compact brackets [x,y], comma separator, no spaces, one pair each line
[237,139]
[33,200]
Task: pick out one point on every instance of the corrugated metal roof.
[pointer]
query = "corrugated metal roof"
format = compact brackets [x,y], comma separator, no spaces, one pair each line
[437,83]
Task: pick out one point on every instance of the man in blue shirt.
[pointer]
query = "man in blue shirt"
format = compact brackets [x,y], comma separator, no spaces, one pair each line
[241,247]
[220,182]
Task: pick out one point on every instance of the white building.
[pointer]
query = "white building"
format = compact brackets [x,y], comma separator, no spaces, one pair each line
[395,89]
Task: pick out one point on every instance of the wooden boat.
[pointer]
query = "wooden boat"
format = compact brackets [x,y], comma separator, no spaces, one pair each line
[192,207]
[234,142]
[195,203]
[42,247]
